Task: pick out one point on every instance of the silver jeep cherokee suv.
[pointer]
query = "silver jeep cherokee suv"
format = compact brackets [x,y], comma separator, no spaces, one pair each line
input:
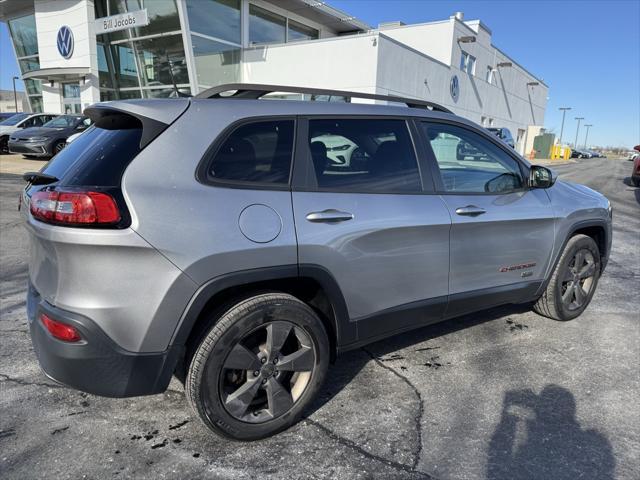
[212,238]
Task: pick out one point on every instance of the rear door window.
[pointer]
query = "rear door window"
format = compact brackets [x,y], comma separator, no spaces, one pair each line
[259,152]
[363,155]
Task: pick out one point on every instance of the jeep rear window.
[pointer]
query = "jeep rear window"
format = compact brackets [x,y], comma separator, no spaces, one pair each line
[97,157]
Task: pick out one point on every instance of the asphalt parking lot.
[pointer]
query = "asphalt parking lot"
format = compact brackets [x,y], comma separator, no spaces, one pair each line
[501,394]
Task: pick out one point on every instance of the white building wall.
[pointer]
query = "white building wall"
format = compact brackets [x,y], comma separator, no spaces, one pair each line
[505,102]
[433,39]
[79,16]
[408,73]
[346,63]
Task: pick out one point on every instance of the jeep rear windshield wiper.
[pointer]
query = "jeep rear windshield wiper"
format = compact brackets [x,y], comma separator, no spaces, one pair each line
[39,178]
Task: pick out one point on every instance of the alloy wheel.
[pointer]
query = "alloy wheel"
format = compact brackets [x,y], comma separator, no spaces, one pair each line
[578,280]
[266,372]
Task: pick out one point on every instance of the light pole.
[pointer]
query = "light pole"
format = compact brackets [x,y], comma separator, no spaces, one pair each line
[564,112]
[15,96]
[575,144]
[586,135]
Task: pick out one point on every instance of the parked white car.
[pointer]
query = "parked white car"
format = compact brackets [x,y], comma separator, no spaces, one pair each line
[19,121]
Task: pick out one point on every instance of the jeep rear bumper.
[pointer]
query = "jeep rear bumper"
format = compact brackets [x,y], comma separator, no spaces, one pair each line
[96,364]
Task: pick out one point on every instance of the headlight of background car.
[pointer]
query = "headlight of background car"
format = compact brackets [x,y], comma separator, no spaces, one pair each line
[36,139]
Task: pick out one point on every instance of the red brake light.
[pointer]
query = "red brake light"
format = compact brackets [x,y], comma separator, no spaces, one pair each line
[60,330]
[74,208]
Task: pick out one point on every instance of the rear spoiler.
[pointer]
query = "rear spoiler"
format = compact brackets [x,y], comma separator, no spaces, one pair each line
[154,115]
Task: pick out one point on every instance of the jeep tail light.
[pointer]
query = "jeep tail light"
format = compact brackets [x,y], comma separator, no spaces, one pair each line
[59,330]
[74,207]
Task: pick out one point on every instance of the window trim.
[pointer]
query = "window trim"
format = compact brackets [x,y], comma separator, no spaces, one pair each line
[437,177]
[303,163]
[202,169]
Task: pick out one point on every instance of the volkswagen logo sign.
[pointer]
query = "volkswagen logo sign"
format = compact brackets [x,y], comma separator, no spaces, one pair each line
[65,42]
[454,88]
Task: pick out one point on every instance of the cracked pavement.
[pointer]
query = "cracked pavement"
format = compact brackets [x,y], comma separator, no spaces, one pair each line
[501,394]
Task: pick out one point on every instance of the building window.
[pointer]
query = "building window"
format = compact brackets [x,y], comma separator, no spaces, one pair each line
[216,62]
[216,41]
[471,65]
[25,41]
[463,61]
[297,32]
[161,61]
[265,26]
[489,75]
[216,18]
[23,33]
[468,63]
[163,16]
[129,65]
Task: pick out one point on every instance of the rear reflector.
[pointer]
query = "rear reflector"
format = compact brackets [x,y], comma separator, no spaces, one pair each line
[74,208]
[60,330]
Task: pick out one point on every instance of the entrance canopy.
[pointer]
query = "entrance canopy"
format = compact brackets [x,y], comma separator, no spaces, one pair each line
[63,74]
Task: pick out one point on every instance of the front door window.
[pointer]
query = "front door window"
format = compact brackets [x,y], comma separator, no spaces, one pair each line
[71,98]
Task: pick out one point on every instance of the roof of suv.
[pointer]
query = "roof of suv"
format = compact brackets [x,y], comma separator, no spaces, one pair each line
[165,110]
[247,99]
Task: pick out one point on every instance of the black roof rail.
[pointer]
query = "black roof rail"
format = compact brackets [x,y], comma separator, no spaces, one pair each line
[254,91]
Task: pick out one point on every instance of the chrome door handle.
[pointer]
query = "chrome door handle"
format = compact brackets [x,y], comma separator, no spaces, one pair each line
[470,211]
[329,216]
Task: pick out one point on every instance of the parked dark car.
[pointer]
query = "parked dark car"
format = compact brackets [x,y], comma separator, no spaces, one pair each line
[504,134]
[5,115]
[575,153]
[466,151]
[50,138]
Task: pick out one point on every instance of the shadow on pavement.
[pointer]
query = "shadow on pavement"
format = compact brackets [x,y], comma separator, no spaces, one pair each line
[349,364]
[539,437]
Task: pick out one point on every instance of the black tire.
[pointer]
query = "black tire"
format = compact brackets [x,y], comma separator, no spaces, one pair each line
[4,145]
[58,147]
[573,282]
[228,399]
[635,181]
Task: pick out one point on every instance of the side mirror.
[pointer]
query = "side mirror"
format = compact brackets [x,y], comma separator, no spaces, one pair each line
[541,177]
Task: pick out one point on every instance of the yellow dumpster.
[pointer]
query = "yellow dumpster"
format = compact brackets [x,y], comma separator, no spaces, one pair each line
[560,152]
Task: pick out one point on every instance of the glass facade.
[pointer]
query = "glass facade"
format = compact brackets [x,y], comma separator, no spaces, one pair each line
[216,41]
[25,41]
[297,32]
[216,18]
[266,27]
[134,61]
[216,62]
[151,62]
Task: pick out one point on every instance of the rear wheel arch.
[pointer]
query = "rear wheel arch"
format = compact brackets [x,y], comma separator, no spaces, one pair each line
[311,284]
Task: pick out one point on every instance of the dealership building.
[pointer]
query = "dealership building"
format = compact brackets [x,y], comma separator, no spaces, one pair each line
[73,53]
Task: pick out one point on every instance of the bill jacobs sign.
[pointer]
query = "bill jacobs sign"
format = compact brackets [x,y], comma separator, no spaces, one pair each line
[139,18]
